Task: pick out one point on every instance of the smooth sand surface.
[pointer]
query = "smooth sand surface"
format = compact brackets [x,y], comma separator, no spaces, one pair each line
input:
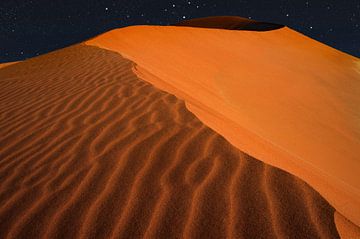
[346,229]
[88,150]
[279,96]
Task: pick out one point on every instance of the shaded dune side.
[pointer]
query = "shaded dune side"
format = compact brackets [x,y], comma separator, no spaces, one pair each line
[229,23]
[87,150]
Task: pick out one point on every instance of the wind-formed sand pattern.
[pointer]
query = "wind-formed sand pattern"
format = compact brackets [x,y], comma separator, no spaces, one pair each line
[88,150]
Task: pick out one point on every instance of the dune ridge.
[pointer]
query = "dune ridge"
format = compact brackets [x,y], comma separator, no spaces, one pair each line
[229,23]
[88,150]
[2,65]
[279,96]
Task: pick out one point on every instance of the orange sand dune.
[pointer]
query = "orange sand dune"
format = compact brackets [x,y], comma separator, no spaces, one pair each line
[277,95]
[88,150]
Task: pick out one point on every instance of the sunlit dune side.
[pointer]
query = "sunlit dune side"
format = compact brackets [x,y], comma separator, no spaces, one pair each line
[230,23]
[88,150]
[277,95]
[346,229]
[2,65]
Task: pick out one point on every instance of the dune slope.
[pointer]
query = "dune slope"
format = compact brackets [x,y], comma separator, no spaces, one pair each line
[88,150]
[279,96]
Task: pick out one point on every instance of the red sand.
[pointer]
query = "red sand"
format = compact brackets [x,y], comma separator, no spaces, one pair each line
[277,95]
[88,150]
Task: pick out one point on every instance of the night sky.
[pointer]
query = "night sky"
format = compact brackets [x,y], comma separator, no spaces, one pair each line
[30,28]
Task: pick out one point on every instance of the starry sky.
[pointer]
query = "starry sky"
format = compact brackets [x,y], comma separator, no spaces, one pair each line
[32,27]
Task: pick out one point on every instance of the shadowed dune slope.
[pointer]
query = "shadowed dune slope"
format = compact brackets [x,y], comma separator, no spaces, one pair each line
[87,150]
[229,23]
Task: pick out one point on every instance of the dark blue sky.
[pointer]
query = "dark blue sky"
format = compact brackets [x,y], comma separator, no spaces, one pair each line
[32,27]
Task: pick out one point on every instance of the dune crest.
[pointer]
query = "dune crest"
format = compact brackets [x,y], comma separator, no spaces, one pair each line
[229,23]
[277,95]
[3,65]
[88,150]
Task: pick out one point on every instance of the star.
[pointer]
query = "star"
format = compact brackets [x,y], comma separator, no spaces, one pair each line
[168,12]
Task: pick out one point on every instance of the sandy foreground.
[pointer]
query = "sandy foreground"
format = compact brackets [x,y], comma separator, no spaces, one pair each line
[277,95]
[88,150]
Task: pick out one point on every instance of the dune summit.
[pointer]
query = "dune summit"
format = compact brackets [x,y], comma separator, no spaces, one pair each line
[230,23]
[277,95]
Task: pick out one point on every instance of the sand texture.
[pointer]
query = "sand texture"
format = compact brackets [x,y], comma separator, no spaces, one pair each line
[277,95]
[88,150]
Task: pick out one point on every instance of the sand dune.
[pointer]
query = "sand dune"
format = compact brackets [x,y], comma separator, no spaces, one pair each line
[279,96]
[88,150]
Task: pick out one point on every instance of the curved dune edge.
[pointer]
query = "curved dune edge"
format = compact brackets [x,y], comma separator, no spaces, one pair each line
[232,132]
[229,23]
[88,150]
[178,60]
[346,229]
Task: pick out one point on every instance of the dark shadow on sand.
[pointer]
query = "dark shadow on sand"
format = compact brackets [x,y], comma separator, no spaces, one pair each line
[229,23]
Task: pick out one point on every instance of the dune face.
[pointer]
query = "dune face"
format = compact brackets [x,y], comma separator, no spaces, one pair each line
[277,95]
[88,150]
[229,23]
